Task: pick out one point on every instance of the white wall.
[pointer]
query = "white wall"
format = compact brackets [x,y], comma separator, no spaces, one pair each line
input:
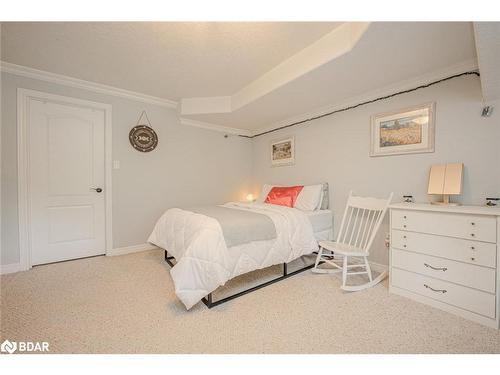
[194,166]
[336,149]
[190,166]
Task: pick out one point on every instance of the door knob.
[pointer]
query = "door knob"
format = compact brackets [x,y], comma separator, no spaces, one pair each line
[97,189]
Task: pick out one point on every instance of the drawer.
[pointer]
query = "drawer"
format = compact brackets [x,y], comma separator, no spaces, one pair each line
[473,252]
[469,299]
[449,270]
[472,227]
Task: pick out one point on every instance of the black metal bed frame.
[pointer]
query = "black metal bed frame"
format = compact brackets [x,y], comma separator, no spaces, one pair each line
[208,300]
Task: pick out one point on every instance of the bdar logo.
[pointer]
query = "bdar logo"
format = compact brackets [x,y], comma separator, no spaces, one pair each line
[8,347]
[24,346]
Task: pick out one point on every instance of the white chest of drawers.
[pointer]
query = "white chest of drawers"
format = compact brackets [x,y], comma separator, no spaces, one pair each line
[447,257]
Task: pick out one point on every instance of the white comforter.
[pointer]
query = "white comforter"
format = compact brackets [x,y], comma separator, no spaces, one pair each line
[204,262]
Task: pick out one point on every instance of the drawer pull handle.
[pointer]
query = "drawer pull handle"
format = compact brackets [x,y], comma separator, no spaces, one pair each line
[435,268]
[404,226]
[436,290]
[472,258]
[473,248]
[404,236]
[472,235]
[404,217]
[472,223]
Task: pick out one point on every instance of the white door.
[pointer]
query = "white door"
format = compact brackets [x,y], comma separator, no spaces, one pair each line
[66,181]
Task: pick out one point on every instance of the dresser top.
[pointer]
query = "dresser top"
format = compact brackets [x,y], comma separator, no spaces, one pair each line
[473,210]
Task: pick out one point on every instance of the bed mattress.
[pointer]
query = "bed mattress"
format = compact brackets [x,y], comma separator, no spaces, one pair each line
[321,220]
[204,262]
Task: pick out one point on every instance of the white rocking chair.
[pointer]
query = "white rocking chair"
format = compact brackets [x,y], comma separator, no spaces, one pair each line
[361,221]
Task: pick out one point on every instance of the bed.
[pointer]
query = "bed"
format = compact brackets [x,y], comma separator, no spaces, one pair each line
[207,246]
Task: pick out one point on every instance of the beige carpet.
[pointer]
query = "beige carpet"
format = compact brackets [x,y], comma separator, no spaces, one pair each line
[126,304]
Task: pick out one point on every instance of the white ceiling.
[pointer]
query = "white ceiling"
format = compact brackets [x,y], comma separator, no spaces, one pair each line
[187,60]
[171,60]
[386,54]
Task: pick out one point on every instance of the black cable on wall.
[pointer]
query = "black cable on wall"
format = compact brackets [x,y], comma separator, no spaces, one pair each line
[363,103]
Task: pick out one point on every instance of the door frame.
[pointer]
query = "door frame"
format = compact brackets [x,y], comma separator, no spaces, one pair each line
[24,96]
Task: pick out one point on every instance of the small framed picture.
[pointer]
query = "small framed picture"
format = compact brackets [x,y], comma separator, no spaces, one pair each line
[406,131]
[283,151]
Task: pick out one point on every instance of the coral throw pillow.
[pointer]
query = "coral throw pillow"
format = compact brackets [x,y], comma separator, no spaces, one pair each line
[283,196]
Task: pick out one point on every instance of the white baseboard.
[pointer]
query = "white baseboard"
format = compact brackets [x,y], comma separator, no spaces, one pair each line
[131,249]
[10,268]
[16,267]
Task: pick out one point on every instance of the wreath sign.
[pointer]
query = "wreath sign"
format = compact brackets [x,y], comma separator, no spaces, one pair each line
[142,137]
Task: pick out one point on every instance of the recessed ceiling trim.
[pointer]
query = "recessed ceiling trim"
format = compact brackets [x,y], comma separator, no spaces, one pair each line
[487,37]
[62,80]
[465,66]
[215,127]
[59,79]
[215,104]
[336,43]
[329,47]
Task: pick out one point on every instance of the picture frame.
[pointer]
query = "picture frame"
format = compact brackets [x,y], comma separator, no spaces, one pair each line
[282,151]
[406,131]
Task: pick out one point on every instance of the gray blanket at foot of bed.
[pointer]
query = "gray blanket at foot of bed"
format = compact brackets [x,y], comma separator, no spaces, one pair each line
[239,226]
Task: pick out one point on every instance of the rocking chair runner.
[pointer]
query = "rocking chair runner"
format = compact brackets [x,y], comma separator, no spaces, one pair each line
[361,221]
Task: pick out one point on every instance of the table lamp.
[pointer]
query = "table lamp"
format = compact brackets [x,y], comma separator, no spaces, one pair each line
[446,180]
[250,198]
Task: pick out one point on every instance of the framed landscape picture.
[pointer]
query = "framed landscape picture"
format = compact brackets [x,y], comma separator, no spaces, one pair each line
[406,131]
[283,152]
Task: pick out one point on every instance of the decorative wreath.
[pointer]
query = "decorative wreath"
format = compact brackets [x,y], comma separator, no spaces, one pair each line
[142,137]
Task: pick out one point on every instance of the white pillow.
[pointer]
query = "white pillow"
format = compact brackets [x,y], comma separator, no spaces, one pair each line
[264,192]
[309,198]
[321,196]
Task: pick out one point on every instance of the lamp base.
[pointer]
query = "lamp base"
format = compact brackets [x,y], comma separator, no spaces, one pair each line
[446,201]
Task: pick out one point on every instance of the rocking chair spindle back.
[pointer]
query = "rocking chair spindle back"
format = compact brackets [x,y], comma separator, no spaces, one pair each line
[360,223]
